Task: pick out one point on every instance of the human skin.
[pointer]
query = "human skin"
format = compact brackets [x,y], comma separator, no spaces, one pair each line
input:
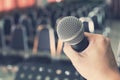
[97,61]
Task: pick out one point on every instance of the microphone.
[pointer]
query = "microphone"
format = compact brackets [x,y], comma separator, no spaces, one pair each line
[70,30]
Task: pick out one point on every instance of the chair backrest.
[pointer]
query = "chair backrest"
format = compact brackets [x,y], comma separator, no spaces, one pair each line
[19,39]
[27,23]
[44,40]
[57,70]
[1,59]
[2,39]
[60,45]
[85,24]
[94,18]
[16,16]
[88,24]
[8,22]
[101,11]
[97,18]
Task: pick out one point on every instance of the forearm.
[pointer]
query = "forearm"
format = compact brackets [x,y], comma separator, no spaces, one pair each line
[113,74]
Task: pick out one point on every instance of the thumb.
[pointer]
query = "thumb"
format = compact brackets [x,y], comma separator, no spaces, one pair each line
[89,35]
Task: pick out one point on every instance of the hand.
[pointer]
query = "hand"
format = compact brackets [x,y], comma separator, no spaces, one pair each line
[97,61]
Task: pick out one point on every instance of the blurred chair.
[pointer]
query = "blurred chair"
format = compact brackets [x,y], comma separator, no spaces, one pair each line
[18,43]
[86,27]
[1,59]
[100,14]
[57,70]
[19,39]
[95,18]
[2,43]
[98,17]
[60,45]
[2,39]
[84,11]
[8,22]
[88,24]
[7,59]
[79,12]
[16,16]
[32,14]
[44,40]
[27,23]
[43,21]
[75,14]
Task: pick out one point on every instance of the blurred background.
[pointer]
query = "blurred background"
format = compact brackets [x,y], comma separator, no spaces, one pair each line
[29,45]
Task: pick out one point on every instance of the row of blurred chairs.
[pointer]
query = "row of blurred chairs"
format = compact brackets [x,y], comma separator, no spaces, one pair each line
[23,36]
[31,20]
[36,30]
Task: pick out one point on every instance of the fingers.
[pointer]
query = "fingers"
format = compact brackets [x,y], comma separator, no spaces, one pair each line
[91,36]
[71,54]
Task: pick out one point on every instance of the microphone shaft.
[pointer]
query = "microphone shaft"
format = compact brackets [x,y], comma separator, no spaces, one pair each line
[82,45]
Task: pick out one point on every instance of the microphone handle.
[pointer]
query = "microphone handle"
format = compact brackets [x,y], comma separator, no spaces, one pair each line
[81,46]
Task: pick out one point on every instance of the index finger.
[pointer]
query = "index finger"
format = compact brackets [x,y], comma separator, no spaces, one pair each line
[71,54]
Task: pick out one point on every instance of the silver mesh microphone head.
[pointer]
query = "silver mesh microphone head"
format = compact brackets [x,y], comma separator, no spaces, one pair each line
[70,30]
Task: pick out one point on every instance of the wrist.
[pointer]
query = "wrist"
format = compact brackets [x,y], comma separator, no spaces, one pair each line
[112,75]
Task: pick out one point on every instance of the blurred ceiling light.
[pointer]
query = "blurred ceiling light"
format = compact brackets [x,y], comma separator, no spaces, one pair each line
[9,5]
[58,1]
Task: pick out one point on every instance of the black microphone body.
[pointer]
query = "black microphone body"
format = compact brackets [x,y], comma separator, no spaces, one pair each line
[82,45]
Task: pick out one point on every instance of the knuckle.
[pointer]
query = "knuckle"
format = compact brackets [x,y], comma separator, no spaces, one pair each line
[102,39]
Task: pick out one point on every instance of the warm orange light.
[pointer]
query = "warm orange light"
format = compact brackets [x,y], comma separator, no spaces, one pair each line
[9,5]
[22,3]
[25,3]
[31,2]
[1,5]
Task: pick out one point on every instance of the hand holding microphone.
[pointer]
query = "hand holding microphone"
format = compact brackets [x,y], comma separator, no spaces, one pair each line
[96,61]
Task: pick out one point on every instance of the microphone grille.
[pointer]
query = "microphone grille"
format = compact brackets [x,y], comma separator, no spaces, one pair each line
[69,28]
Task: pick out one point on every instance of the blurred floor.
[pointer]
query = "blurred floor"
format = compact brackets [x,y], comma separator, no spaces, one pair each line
[114,36]
[6,75]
